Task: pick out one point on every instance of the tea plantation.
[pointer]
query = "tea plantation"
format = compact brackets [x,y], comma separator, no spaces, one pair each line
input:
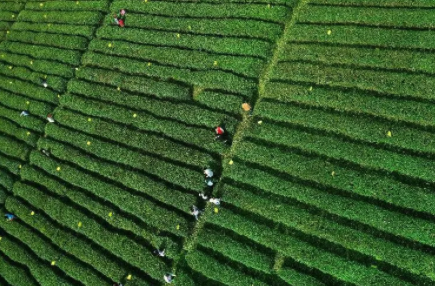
[328,180]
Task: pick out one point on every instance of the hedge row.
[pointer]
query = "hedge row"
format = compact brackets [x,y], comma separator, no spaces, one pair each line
[292,276]
[69,17]
[43,53]
[355,153]
[32,123]
[3,193]
[179,131]
[318,170]
[166,171]
[13,147]
[7,179]
[245,28]
[211,10]
[367,129]
[22,136]
[15,276]
[126,249]
[11,165]
[395,223]
[134,84]
[355,101]
[82,31]
[13,7]
[41,272]
[397,18]
[149,212]
[48,242]
[329,232]
[410,61]
[250,67]
[101,6]
[53,40]
[328,264]
[215,270]
[187,113]
[394,83]
[385,3]
[220,100]
[30,83]
[360,35]
[20,102]
[144,141]
[104,211]
[207,79]
[41,66]
[7,16]
[249,255]
[212,44]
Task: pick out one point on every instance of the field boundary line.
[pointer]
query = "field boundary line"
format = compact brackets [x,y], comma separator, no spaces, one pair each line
[191,241]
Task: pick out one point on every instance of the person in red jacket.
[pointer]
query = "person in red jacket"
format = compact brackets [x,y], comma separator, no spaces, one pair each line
[120,18]
[222,134]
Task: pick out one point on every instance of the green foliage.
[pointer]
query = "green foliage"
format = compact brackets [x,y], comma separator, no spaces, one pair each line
[69,5]
[146,142]
[356,101]
[223,45]
[303,253]
[125,249]
[41,272]
[192,135]
[70,17]
[214,269]
[69,57]
[38,228]
[54,40]
[149,212]
[361,35]
[187,59]
[318,170]
[404,18]
[222,10]
[395,223]
[298,218]
[355,127]
[394,83]
[109,213]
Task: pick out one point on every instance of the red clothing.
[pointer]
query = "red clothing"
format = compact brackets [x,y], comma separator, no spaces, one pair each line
[219,130]
[121,23]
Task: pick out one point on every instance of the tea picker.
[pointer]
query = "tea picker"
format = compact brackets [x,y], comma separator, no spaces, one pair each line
[119,19]
[45,152]
[221,134]
[118,284]
[195,212]
[215,201]
[208,173]
[168,277]
[10,217]
[209,182]
[159,252]
[203,196]
[24,113]
[50,118]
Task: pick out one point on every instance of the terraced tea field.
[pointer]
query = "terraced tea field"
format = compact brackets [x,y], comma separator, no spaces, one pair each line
[329,181]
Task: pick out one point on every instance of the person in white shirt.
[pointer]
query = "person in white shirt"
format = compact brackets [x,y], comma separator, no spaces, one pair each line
[208,173]
[168,277]
[215,201]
